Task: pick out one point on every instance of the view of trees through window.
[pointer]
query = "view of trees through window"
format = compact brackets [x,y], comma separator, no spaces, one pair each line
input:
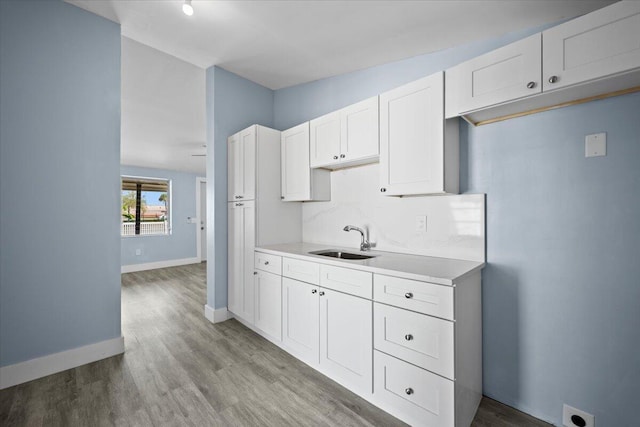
[145,206]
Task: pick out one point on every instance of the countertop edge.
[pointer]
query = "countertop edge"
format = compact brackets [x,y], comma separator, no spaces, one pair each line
[377,270]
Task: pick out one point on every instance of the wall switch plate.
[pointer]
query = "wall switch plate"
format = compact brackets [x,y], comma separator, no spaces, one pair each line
[572,417]
[138,251]
[595,145]
[421,223]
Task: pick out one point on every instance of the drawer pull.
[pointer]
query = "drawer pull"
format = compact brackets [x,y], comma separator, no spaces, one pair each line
[313,291]
[321,293]
[553,79]
[266,263]
[255,273]
[408,295]
[408,337]
[408,390]
[531,85]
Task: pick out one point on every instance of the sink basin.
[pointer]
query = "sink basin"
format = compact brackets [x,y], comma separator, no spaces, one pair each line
[334,253]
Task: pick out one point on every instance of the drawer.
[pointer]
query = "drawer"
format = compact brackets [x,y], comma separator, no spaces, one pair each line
[267,262]
[416,338]
[423,297]
[354,282]
[304,271]
[420,397]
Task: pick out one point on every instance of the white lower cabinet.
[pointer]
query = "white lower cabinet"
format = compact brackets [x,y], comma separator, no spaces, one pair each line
[300,319]
[423,398]
[268,303]
[412,348]
[346,339]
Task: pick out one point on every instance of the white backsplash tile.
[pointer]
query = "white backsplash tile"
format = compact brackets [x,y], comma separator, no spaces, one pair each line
[455,224]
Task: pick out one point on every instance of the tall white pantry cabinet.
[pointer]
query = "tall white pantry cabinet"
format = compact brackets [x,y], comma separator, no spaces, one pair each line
[256,214]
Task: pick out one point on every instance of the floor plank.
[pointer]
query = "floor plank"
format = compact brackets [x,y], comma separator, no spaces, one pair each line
[180,370]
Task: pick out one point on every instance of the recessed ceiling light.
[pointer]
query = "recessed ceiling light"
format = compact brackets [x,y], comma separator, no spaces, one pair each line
[187,8]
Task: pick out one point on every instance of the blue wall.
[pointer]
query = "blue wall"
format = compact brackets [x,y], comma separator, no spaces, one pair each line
[233,103]
[181,243]
[59,157]
[561,292]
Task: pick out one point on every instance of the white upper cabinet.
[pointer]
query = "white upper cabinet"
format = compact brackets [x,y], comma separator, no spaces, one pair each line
[299,182]
[594,56]
[511,72]
[241,164]
[346,137]
[593,46]
[418,150]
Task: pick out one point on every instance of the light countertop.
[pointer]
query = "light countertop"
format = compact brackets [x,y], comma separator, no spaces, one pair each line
[444,271]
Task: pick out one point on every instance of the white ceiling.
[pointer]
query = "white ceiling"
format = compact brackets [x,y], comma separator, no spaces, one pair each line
[284,43]
[163,110]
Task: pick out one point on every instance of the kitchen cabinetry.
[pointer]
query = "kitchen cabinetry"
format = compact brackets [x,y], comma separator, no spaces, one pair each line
[505,74]
[345,339]
[241,159]
[299,181]
[411,347]
[268,303]
[241,243]
[418,148]
[593,56]
[300,319]
[593,46]
[256,215]
[346,137]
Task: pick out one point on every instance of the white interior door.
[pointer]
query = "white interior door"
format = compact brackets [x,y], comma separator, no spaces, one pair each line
[203,220]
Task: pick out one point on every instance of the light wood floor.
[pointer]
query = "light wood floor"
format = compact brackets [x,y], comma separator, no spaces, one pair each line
[181,370]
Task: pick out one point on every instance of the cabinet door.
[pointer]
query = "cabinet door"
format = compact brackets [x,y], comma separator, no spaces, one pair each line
[359,128]
[412,138]
[300,319]
[246,188]
[511,72]
[296,175]
[592,46]
[241,245]
[268,305]
[234,166]
[324,140]
[241,165]
[346,343]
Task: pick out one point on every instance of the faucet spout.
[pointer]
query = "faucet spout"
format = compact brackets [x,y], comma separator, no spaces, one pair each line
[364,243]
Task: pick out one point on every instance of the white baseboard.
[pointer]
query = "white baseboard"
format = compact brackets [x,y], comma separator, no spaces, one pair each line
[217,315]
[159,264]
[57,362]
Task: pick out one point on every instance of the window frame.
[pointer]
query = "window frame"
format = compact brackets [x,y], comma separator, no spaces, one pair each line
[169,204]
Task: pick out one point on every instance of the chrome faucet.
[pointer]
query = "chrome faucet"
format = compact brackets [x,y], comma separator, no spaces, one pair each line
[364,244]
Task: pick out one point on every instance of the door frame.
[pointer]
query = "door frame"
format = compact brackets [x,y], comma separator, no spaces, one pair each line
[199,181]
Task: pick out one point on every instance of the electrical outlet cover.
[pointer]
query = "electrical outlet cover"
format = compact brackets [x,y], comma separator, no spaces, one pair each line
[421,223]
[595,145]
[569,411]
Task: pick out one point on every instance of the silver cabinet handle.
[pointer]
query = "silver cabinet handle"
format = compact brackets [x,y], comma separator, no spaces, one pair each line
[553,79]
[240,197]
[266,263]
[314,291]
[531,85]
[342,156]
[239,204]
[408,337]
[321,293]
[335,157]
[282,197]
[408,390]
[255,273]
[408,295]
[382,190]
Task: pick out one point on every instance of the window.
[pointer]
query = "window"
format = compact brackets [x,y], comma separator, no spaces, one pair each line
[145,206]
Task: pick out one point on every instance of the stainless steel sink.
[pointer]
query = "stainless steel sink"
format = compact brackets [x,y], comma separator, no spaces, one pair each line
[335,253]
